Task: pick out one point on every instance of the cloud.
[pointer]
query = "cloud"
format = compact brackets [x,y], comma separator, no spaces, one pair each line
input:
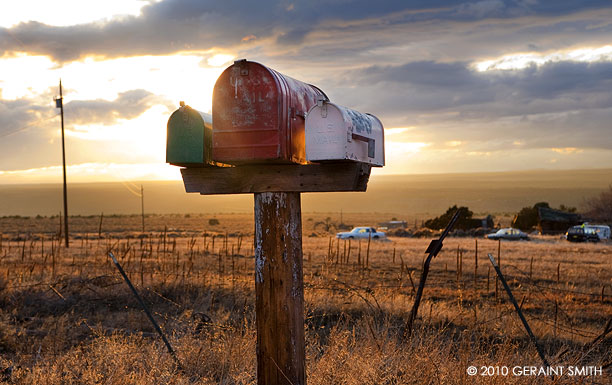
[30,129]
[552,87]
[172,26]
[21,114]
[409,63]
[128,105]
[556,105]
[482,8]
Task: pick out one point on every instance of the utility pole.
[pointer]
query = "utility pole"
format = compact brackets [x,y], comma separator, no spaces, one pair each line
[59,103]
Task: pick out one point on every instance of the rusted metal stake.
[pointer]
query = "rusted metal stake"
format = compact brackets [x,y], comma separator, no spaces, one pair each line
[279,289]
[518,310]
[434,248]
[476,265]
[146,310]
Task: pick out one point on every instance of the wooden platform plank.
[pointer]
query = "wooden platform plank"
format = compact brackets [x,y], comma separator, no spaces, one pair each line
[348,176]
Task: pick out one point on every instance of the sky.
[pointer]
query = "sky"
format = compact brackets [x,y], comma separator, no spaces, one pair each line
[460,86]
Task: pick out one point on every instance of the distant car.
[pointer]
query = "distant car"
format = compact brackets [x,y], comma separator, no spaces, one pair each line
[603,231]
[509,234]
[361,232]
[582,234]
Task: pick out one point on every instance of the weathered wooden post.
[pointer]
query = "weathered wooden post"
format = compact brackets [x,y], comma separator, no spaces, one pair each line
[279,289]
[274,137]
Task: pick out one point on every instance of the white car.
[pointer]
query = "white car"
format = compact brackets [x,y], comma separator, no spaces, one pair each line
[509,234]
[361,232]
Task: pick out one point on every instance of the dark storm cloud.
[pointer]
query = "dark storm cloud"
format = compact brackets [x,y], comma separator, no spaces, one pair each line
[128,105]
[177,25]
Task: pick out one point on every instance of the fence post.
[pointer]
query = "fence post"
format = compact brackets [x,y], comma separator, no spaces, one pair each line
[476,265]
[279,289]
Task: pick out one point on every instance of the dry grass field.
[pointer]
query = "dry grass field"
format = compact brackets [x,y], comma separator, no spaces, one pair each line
[67,317]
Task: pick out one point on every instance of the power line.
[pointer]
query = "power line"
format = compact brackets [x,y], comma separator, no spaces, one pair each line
[131,189]
[28,126]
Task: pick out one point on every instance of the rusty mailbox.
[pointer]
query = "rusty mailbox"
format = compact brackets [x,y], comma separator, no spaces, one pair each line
[259,114]
[189,137]
[336,133]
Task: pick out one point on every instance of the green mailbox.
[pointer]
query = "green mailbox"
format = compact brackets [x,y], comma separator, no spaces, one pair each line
[189,138]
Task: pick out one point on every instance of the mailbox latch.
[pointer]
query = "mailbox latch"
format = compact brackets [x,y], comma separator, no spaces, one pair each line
[322,102]
[243,67]
[369,141]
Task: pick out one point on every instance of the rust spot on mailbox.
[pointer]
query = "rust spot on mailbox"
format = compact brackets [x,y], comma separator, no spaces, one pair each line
[258,115]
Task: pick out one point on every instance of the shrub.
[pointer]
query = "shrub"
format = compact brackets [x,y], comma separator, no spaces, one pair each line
[528,217]
[464,222]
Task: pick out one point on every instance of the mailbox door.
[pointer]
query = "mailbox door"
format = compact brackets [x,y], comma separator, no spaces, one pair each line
[189,138]
[247,109]
[364,128]
[259,115]
[326,137]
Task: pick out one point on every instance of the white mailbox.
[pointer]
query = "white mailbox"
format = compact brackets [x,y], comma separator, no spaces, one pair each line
[337,133]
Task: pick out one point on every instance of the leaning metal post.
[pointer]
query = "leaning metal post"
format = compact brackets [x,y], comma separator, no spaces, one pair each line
[146,310]
[434,248]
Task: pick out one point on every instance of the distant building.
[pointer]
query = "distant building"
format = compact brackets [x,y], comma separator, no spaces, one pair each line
[551,221]
[485,223]
[393,224]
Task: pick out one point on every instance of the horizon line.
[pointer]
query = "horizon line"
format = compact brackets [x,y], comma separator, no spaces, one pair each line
[385,176]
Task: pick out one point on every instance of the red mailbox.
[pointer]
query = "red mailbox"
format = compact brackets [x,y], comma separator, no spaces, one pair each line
[258,115]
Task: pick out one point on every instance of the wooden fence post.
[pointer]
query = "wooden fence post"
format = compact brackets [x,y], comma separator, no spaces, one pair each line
[279,289]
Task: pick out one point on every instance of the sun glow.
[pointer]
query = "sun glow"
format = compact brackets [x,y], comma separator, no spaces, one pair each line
[397,131]
[176,77]
[145,136]
[567,150]
[524,60]
[220,59]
